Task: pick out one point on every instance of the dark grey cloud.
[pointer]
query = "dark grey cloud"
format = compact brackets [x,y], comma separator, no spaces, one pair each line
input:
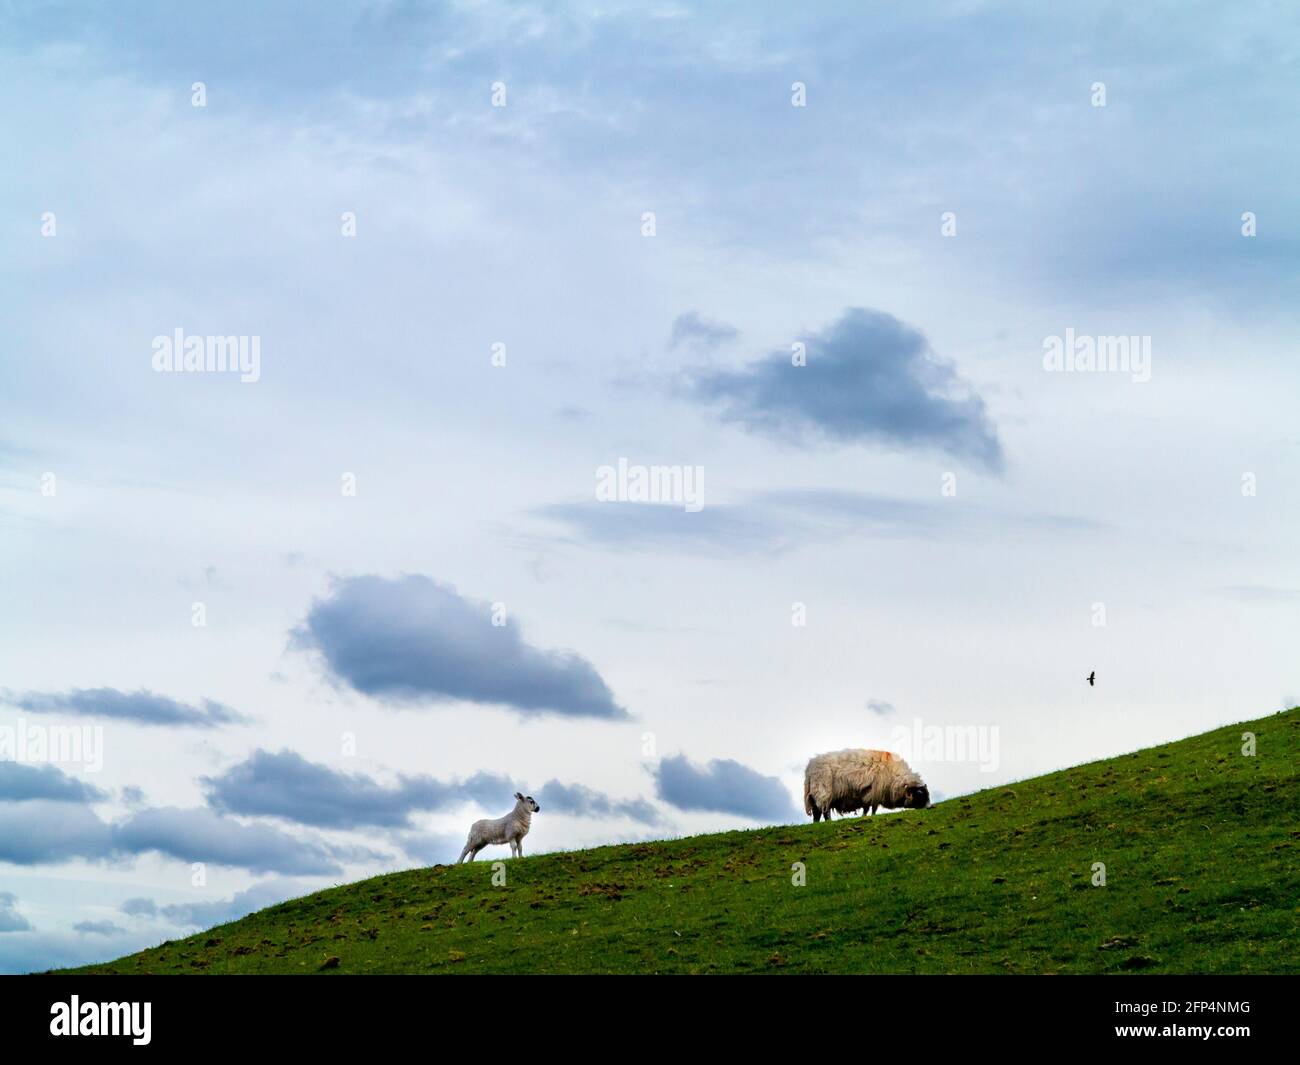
[41,831]
[10,919]
[46,830]
[199,835]
[691,328]
[723,786]
[880,706]
[97,928]
[19,782]
[869,378]
[217,911]
[411,639]
[142,707]
[776,521]
[286,785]
[139,907]
[578,800]
[432,848]
[33,951]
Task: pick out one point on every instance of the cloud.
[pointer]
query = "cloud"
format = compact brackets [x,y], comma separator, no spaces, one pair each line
[573,413]
[880,706]
[776,521]
[97,928]
[10,919]
[721,529]
[33,951]
[690,328]
[217,911]
[287,785]
[436,848]
[42,831]
[19,782]
[580,801]
[199,835]
[412,639]
[139,907]
[142,707]
[723,786]
[869,378]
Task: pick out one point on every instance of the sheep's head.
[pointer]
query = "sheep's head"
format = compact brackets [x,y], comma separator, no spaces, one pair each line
[528,801]
[916,797]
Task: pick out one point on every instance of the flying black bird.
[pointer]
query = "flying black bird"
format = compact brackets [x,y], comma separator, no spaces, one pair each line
[1091,677]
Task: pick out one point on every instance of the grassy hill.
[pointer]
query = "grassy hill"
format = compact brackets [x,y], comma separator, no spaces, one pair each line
[1201,846]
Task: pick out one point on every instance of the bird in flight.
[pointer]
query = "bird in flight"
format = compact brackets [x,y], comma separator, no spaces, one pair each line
[1092,677]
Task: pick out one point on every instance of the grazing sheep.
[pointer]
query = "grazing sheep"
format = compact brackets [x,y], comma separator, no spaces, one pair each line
[509,829]
[858,779]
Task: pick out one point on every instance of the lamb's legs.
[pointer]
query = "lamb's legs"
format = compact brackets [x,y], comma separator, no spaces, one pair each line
[462,854]
[519,848]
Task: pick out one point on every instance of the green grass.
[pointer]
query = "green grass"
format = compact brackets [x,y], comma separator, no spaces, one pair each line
[1200,845]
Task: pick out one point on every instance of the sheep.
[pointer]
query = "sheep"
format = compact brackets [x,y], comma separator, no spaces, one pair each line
[509,829]
[859,779]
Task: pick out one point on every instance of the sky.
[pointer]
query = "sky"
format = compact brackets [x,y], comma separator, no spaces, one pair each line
[638,399]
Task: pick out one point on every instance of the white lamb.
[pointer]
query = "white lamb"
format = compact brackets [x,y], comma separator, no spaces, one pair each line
[509,829]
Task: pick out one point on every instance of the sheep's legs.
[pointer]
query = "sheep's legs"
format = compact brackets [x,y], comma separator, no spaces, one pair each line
[817,810]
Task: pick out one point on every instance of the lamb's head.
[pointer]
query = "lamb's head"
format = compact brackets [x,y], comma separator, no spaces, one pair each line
[916,796]
[528,802]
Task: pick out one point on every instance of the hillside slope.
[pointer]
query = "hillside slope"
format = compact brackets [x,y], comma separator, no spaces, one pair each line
[1201,847]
